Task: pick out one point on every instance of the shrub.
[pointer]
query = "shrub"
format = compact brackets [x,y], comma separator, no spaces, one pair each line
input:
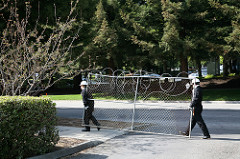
[232,74]
[209,76]
[27,126]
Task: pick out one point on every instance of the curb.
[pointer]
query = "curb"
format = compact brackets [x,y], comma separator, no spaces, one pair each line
[222,102]
[68,151]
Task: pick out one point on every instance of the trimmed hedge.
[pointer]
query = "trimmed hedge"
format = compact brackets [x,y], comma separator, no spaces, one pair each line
[27,126]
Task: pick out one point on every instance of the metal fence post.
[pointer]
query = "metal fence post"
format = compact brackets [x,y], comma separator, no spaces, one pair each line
[134,104]
[190,123]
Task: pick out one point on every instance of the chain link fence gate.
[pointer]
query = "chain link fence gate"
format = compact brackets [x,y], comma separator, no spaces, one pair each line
[141,101]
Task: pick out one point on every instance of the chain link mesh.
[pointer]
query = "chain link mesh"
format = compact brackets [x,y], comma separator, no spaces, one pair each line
[141,101]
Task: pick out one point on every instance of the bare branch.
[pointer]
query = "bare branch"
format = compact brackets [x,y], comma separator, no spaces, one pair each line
[30,58]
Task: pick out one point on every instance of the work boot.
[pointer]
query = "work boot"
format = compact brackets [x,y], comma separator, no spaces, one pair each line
[183,133]
[98,128]
[206,137]
[86,129]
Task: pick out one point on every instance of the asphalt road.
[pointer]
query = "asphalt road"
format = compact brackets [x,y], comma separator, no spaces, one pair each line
[222,120]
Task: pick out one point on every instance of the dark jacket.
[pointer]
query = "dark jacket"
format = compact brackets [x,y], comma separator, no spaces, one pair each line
[87,99]
[197,98]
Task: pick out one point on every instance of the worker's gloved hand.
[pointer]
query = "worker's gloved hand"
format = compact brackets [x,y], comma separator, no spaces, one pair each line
[190,108]
[86,107]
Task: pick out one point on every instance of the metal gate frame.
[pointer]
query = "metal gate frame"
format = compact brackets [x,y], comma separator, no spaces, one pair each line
[98,79]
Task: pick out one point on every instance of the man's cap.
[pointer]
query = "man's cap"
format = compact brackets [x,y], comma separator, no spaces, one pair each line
[83,83]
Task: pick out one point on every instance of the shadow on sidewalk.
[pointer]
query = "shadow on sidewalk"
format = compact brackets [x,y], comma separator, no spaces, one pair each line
[225,139]
[86,156]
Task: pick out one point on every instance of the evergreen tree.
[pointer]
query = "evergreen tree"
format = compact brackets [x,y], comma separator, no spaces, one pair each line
[100,49]
[171,40]
[145,32]
[226,29]
[194,22]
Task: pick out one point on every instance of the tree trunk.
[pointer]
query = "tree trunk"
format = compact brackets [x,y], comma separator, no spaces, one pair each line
[183,64]
[233,66]
[230,66]
[199,66]
[225,67]
[164,66]
[111,63]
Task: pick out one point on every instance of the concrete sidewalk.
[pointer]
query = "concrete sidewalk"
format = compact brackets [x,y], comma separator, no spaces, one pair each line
[94,135]
[92,138]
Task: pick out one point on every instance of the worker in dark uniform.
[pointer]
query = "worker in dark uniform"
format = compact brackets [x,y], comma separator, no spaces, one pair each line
[88,107]
[196,107]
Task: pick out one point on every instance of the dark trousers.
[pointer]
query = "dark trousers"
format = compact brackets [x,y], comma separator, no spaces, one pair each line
[197,118]
[87,117]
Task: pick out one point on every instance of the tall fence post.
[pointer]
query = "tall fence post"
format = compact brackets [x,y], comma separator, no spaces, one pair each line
[134,104]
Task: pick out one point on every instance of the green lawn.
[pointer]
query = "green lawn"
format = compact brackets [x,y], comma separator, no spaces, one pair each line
[65,97]
[74,97]
[208,95]
[221,94]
